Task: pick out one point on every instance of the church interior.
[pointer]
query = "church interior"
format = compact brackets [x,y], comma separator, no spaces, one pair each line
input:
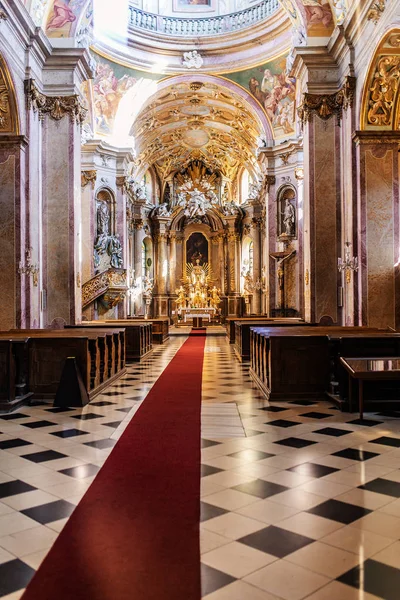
[200,225]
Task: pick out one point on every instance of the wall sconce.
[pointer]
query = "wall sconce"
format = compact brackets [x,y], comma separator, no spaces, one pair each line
[348,263]
[29,268]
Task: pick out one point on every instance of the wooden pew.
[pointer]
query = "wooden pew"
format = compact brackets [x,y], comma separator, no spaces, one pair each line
[138,335]
[230,323]
[242,333]
[160,327]
[14,390]
[98,354]
[281,370]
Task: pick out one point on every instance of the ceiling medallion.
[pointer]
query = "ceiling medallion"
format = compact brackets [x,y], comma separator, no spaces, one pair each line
[196,85]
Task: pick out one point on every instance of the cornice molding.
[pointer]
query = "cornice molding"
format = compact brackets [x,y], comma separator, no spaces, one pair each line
[326,106]
[376,137]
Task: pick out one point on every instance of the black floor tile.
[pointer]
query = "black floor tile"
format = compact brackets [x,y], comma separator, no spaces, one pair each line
[207,470]
[59,409]
[303,402]
[81,471]
[383,486]
[38,424]
[14,575]
[315,415]
[38,457]
[312,470]
[101,444]
[355,454]
[67,433]
[260,488]
[213,580]
[15,443]
[252,432]
[47,513]
[14,416]
[208,511]
[332,431]
[113,424]
[208,443]
[342,512]
[276,541]
[251,455]
[274,408]
[11,488]
[374,578]
[113,393]
[387,441]
[365,422]
[87,416]
[282,423]
[293,442]
[126,409]
[102,403]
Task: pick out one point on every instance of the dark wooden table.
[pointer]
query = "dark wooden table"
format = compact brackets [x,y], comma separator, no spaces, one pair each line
[369,369]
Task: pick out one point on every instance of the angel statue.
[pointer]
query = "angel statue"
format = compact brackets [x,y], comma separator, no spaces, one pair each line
[181,299]
[148,285]
[215,300]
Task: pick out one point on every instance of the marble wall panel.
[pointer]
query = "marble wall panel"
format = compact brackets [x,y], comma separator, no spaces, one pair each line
[8,234]
[324,215]
[57,216]
[380,256]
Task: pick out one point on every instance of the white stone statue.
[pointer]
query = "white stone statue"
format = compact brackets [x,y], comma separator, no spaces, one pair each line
[254,190]
[192,60]
[289,219]
[147,286]
[162,210]
[229,209]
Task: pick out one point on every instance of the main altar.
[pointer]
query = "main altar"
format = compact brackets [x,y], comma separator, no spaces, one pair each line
[197,300]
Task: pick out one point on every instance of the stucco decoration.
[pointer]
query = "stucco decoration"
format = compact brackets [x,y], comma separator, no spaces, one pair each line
[380,105]
[8,106]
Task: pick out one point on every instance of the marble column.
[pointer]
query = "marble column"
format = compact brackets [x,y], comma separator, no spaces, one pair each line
[161,278]
[15,285]
[378,228]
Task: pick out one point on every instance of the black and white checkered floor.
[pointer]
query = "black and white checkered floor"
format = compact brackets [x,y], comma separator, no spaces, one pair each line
[299,501]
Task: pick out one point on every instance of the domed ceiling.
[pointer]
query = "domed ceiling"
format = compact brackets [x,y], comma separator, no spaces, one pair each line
[194,120]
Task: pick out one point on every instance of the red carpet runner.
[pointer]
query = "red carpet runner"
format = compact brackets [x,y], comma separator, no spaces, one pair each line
[135,533]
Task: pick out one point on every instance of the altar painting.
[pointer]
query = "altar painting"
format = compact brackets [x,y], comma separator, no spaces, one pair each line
[197,249]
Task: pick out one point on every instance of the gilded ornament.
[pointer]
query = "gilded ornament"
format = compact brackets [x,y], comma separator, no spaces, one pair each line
[307,277]
[88,177]
[285,158]
[196,85]
[382,92]
[299,173]
[376,10]
[8,108]
[3,15]
[55,106]
[394,40]
[327,105]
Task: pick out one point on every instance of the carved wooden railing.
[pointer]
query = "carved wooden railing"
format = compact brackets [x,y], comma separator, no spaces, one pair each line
[112,279]
[178,26]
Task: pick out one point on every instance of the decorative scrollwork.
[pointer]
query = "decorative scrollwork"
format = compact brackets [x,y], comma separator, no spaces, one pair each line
[112,279]
[56,107]
[382,92]
[376,10]
[327,105]
[88,177]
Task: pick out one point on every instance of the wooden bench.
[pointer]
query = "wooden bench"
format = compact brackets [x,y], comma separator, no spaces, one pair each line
[160,327]
[242,333]
[98,355]
[138,335]
[230,323]
[291,363]
[14,390]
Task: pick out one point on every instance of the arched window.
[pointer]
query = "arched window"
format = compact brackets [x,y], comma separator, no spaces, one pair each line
[244,186]
[143,259]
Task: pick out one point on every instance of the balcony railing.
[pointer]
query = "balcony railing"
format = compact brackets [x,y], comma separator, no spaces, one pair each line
[202,26]
[112,279]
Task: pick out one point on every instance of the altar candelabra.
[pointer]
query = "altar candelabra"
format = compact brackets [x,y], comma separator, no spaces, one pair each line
[29,268]
[348,263]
